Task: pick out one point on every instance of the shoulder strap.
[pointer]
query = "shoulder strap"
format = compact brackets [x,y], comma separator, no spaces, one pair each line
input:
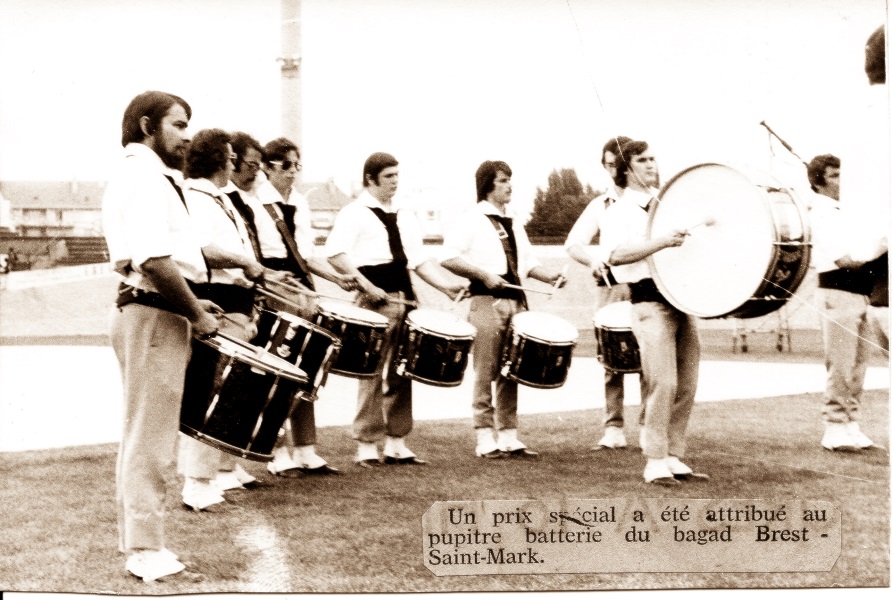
[393,234]
[290,244]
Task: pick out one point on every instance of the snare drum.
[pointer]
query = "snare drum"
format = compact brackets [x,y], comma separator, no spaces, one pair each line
[361,333]
[308,347]
[538,349]
[433,347]
[748,262]
[236,397]
[617,346]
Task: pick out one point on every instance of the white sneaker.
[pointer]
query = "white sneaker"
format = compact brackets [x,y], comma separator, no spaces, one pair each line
[677,467]
[395,447]
[613,438]
[226,480]
[486,444]
[507,440]
[367,453]
[150,565]
[854,431]
[199,495]
[657,471]
[281,462]
[837,437]
[306,458]
[235,479]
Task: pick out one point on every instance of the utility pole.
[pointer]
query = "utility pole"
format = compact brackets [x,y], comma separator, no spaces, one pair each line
[292,108]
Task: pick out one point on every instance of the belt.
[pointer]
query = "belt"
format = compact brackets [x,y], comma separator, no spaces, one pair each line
[645,291]
[127,294]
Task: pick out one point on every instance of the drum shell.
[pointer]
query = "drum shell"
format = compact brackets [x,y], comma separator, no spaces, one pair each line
[312,349]
[431,357]
[233,406]
[361,344]
[535,363]
[617,349]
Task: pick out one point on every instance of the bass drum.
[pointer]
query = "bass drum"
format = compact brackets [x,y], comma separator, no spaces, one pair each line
[748,247]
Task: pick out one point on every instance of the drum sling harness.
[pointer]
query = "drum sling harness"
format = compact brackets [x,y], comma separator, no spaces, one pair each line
[394,275]
[299,265]
[505,232]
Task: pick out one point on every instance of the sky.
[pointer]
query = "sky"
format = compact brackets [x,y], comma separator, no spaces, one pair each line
[442,84]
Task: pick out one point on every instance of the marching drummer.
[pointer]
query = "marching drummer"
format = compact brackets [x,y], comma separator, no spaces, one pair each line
[579,246]
[487,246]
[225,241]
[667,338]
[278,218]
[153,247]
[378,242]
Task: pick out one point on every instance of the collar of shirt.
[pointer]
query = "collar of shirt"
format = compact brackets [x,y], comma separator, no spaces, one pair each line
[488,208]
[638,197]
[203,185]
[231,187]
[366,199]
[143,152]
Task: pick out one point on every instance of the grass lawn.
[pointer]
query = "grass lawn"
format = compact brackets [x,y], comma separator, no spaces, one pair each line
[361,532]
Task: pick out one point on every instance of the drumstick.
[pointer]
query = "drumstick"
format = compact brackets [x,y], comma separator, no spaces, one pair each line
[526,289]
[708,221]
[459,297]
[299,290]
[275,296]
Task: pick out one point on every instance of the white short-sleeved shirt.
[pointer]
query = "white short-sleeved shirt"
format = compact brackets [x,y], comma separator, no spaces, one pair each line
[217,222]
[143,217]
[271,243]
[473,238]
[360,234]
[625,222]
[865,190]
[588,225]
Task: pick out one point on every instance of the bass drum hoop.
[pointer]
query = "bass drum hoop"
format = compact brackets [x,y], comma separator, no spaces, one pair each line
[787,265]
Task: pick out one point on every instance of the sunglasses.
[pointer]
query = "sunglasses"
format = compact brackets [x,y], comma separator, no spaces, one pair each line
[286,165]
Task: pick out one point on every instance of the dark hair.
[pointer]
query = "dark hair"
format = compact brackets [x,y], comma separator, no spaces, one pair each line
[207,153]
[278,149]
[613,146]
[486,177]
[875,56]
[154,105]
[374,164]
[241,142]
[817,167]
[627,152]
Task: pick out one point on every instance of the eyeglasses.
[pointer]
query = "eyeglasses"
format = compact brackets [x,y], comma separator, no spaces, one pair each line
[252,165]
[233,157]
[286,165]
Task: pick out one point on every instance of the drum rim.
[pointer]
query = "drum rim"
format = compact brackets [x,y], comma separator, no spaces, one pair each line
[249,354]
[418,326]
[742,310]
[572,342]
[382,323]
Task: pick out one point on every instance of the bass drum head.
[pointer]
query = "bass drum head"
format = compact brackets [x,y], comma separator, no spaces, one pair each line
[438,321]
[723,263]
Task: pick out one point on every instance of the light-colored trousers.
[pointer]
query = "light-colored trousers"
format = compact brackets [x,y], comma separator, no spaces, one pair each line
[492,317]
[384,401]
[670,358]
[153,348]
[847,335]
